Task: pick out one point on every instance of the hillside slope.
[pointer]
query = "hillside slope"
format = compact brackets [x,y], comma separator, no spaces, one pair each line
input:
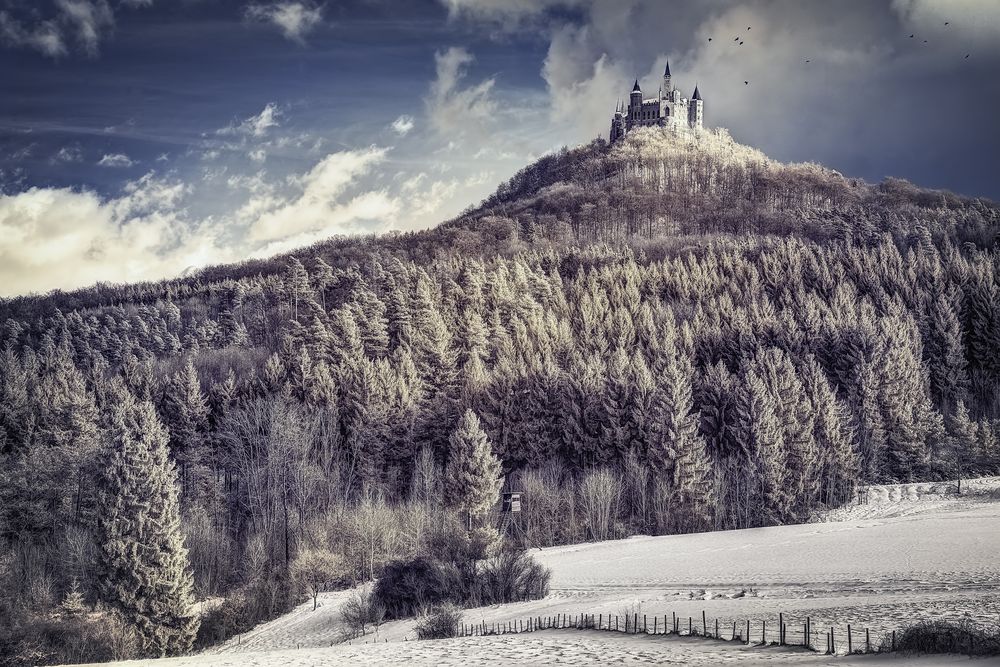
[880,574]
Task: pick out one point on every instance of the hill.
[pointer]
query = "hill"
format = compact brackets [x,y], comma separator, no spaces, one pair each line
[666,335]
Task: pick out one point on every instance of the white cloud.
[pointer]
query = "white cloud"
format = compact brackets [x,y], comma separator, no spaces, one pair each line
[402,125]
[65,238]
[318,207]
[452,109]
[67,154]
[44,37]
[294,19]
[258,125]
[115,160]
[87,19]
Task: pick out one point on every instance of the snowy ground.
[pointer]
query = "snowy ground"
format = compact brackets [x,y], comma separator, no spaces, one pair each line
[912,552]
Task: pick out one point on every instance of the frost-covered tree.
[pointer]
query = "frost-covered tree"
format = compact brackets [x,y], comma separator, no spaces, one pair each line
[142,561]
[472,476]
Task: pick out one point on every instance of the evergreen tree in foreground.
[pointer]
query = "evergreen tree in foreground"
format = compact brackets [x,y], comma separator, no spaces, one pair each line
[472,476]
[141,556]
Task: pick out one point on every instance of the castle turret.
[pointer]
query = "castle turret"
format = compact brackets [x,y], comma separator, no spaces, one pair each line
[696,110]
[618,123]
[667,84]
[635,101]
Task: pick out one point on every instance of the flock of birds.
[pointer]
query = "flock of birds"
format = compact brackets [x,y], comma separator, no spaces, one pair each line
[739,42]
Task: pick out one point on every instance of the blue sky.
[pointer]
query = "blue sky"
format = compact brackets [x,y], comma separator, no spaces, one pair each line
[142,138]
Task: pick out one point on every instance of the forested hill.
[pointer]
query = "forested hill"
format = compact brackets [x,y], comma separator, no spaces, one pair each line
[668,334]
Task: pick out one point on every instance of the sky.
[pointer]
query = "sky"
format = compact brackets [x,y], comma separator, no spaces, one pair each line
[142,139]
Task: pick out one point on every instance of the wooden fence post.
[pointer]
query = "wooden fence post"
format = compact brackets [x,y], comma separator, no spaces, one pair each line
[850,647]
[675,621]
[635,624]
[645,625]
[893,641]
[600,621]
[716,628]
[656,619]
[808,632]
[704,624]
[763,632]
[781,629]
[748,631]
[734,631]
[833,643]
[690,625]
[868,642]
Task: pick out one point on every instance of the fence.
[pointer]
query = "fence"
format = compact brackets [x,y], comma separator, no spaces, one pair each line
[746,632]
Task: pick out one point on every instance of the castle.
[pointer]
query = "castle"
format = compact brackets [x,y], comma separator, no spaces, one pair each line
[667,109]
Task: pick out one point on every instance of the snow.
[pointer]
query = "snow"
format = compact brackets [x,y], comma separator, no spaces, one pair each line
[912,552]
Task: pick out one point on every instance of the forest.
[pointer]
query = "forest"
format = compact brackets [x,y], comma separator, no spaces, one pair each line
[670,334]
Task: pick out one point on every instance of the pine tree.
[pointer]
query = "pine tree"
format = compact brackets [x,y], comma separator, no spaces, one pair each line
[472,475]
[186,414]
[677,452]
[143,571]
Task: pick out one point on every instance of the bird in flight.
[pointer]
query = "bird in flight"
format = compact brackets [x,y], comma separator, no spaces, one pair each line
[966,55]
[807,61]
[748,27]
[911,36]
[746,83]
[741,43]
[710,39]
[946,23]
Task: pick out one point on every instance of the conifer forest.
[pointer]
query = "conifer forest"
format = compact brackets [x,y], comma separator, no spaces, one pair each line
[669,334]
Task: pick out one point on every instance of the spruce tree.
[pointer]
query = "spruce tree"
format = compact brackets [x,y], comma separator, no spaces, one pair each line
[142,561]
[472,475]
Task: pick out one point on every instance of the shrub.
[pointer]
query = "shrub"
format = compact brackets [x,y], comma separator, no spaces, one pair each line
[947,637]
[360,611]
[512,576]
[408,586]
[442,621]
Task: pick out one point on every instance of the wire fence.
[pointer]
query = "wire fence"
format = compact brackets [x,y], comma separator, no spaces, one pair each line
[803,634]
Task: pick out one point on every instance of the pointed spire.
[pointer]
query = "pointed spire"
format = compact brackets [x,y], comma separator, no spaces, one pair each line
[636,86]
[666,72]
[697,95]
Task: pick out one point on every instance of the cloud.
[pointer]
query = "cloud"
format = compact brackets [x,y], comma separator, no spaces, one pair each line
[319,207]
[63,238]
[67,154]
[402,125]
[115,160]
[294,19]
[453,110]
[45,37]
[67,238]
[84,23]
[256,126]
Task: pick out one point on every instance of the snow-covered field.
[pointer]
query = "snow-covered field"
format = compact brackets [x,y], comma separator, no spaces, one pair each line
[912,552]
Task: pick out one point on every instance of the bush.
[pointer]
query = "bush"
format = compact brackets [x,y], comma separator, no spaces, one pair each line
[244,608]
[442,621]
[947,637]
[407,586]
[360,611]
[512,576]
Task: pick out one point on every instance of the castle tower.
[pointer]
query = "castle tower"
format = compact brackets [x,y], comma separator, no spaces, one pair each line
[696,110]
[618,122]
[635,101]
[667,83]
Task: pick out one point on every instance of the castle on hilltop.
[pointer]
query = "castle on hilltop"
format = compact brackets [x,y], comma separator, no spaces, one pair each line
[667,109]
